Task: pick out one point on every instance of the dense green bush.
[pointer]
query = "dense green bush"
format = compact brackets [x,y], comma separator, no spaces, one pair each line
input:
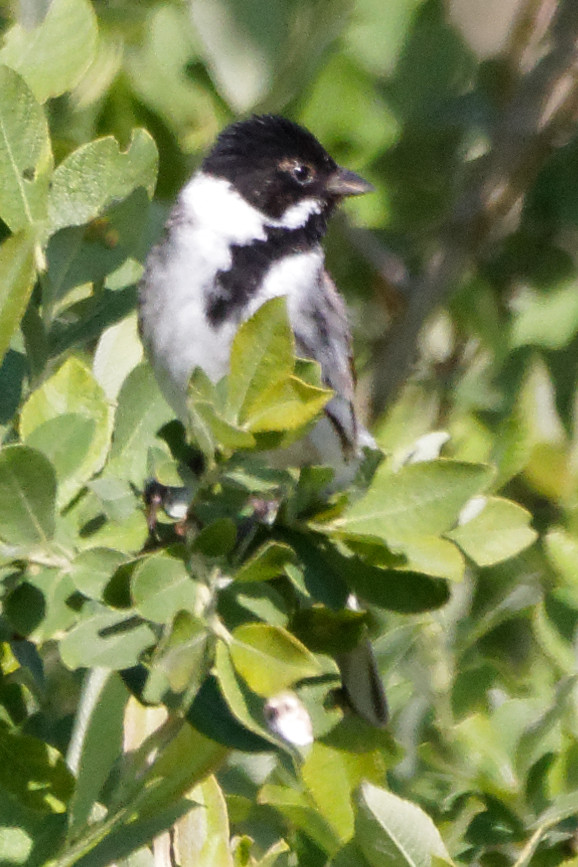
[134,671]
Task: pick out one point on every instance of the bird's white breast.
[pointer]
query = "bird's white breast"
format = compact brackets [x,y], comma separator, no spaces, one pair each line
[210,217]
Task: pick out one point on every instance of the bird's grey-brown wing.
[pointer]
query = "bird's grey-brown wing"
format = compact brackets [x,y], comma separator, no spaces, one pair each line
[323,334]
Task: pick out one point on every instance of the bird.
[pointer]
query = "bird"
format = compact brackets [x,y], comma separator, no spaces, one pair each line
[247,227]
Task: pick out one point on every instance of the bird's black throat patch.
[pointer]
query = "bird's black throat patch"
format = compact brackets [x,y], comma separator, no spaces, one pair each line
[235,287]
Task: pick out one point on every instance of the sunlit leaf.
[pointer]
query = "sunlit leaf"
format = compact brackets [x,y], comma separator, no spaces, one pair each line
[72,389]
[54,55]
[100,745]
[395,831]
[113,639]
[285,406]
[161,586]
[17,277]
[270,659]
[500,531]
[261,356]
[98,174]
[421,499]
[203,834]
[140,413]
[25,154]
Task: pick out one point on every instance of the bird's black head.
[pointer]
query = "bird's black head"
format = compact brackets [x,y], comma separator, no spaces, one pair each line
[275,163]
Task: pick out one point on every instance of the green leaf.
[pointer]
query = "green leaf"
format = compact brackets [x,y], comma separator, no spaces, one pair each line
[106,308]
[542,736]
[203,834]
[269,658]
[330,574]
[180,661]
[127,839]
[326,631]
[254,59]
[275,856]
[53,56]
[213,430]
[421,499]
[297,808]
[34,772]
[262,601]
[188,759]
[216,539]
[66,441]
[140,413]
[25,154]
[562,550]
[13,373]
[210,714]
[161,586]
[100,744]
[564,806]
[286,405]
[128,535]
[548,319]
[377,34]
[261,356]
[17,277]
[349,856]
[99,174]
[92,570]
[433,556]
[88,254]
[27,496]
[156,66]
[326,776]
[394,831]
[112,639]
[495,740]
[118,353]
[39,606]
[245,706]
[72,389]
[267,562]
[119,501]
[498,532]
[237,48]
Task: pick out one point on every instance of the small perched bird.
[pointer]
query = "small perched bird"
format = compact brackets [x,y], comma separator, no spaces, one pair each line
[248,227]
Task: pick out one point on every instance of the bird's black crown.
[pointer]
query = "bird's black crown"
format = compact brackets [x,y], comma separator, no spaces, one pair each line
[272,162]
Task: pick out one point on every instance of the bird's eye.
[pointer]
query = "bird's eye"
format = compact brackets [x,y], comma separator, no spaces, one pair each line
[303,174]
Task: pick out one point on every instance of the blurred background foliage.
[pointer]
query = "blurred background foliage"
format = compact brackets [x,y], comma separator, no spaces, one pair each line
[461,276]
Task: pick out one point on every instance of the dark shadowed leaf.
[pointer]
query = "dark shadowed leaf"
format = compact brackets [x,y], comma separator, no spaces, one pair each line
[34,772]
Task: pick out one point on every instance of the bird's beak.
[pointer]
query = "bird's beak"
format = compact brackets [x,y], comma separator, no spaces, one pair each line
[345,183]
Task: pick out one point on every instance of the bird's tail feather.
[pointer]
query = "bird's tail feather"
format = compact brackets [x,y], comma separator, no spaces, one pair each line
[362,684]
